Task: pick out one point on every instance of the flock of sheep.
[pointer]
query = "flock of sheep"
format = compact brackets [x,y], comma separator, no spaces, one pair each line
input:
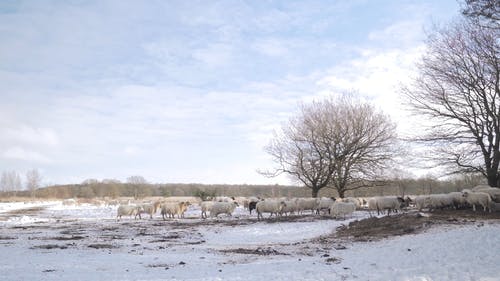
[483,196]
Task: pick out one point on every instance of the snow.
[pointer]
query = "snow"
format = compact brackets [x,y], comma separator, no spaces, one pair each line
[207,249]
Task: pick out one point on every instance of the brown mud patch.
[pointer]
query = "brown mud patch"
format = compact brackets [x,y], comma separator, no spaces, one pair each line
[372,229]
[259,251]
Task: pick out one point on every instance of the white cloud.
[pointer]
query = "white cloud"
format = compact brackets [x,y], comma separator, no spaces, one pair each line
[20,153]
[29,135]
[405,32]
[378,77]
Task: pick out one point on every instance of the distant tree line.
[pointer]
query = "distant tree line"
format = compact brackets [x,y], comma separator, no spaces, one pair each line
[110,188]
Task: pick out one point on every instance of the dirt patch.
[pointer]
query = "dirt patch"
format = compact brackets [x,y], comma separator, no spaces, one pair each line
[374,228]
[259,251]
[7,238]
[102,246]
[50,247]
[65,238]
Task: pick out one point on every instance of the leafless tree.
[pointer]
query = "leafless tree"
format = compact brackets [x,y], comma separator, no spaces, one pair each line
[483,12]
[137,182]
[33,181]
[341,143]
[458,88]
[10,182]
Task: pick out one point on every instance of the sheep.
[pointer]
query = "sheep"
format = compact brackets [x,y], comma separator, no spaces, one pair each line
[480,186]
[385,203]
[324,204]
[222,208]
[439,201]
[338,209]
[183,208]
[458,199]
[422,201]
[206,206]
[171,209]
[128,210]
[357,202]
[307,204]
[150,208]
[494,192]
[269,206]
[252,206]
[252,203]
[291,206]
[224,199]
[477,198]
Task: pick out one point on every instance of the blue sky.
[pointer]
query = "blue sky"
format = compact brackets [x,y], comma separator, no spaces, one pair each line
[189,91]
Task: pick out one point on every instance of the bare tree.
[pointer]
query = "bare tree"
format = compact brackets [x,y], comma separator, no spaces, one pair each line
[33,181]
[458,88]
[483,12]
[10,182]
[137,182]
[340,143]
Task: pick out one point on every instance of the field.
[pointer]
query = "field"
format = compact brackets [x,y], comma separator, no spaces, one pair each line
[50,241]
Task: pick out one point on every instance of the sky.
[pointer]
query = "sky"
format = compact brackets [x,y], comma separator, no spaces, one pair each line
[190,91]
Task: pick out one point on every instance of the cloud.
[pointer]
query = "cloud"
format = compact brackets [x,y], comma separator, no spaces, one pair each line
[20,153]
[406,32]
[29,135]
[377,76]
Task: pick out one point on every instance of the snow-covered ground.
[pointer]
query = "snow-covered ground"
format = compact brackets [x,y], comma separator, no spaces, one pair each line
[85,242]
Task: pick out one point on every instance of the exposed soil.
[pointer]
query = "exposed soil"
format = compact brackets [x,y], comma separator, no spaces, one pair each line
[259,251]
[374,228]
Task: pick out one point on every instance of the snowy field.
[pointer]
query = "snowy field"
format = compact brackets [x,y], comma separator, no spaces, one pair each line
[49,241]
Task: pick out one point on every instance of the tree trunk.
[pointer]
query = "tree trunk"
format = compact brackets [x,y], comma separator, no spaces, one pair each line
[315,192]
[493,178]
[341,192]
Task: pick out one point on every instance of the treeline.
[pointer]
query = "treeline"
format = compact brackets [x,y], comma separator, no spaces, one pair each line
[114,189]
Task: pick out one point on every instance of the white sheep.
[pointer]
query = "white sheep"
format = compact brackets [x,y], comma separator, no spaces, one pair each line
[206,206]
[422,202]
[389,203]
[439,201]
[324,204]
[307,204]
[224,199]
[494,192]
[150,208]
[291,207]
[356,201]
[269,206]
[477,198]
[458,199]
[128,210]
[170,209]
[343,209]
[222,208]
[480,186]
